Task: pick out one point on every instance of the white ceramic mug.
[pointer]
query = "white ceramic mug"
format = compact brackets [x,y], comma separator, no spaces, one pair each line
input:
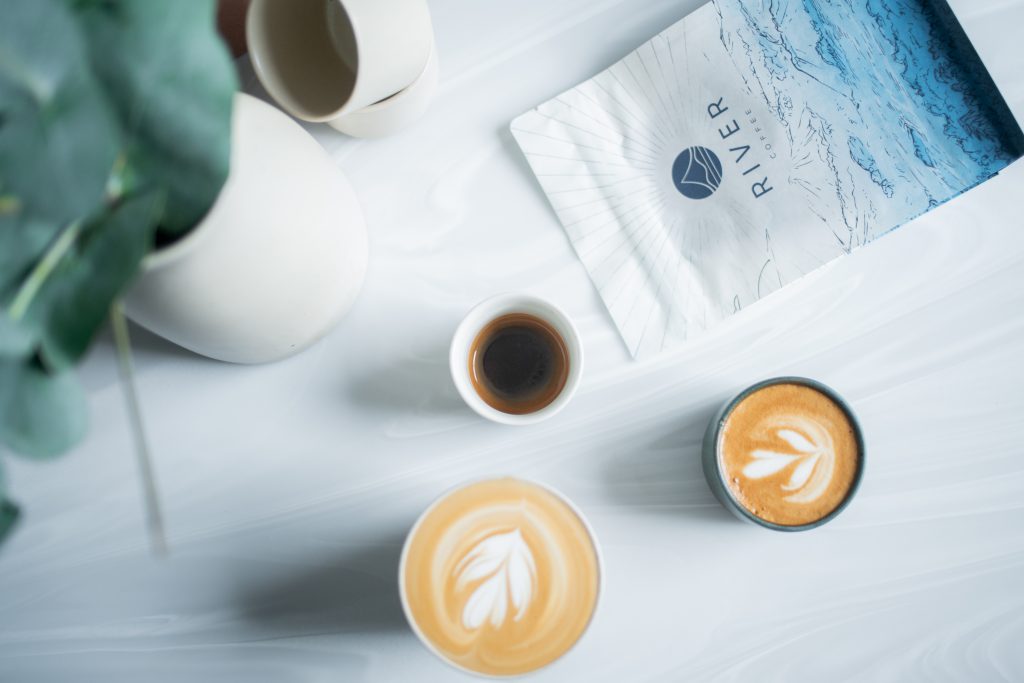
[322,59]
[477,319]
[396,112]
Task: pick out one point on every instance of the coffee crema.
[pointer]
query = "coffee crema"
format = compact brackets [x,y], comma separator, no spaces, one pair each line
[500,577]
[789,454]
[518,363]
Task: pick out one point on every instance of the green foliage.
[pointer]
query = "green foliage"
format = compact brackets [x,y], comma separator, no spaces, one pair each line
[70,305]
[41,414]
[172,92]
[59,134]
[114,119]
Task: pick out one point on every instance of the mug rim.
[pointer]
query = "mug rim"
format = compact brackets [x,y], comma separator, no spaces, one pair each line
[257,45]
[407,612]
[722,417]
[355,26]
[486,311]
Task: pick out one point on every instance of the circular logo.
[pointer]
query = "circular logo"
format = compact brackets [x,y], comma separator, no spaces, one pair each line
[697,172]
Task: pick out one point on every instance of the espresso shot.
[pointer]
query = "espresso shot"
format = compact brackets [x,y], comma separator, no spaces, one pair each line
[518,363]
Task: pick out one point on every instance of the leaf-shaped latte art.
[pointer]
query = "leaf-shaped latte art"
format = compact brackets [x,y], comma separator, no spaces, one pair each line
[801,473]
[767,463]
[814,457]
[797,441]
[504,566]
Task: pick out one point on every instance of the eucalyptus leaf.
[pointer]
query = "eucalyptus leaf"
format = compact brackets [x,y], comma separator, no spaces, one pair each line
[16,340]
[172,81]
[59,134]
[41,415]
[22,242]
[73,303]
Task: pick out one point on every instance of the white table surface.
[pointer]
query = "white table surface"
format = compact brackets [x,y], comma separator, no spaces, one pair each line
[288,488]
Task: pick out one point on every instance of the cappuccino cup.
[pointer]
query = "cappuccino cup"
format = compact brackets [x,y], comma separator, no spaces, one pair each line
[786,454]
[500,577]
[516,359]
[323,59]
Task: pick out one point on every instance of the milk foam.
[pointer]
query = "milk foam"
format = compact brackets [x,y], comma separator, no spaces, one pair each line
[810,446]
[506,564]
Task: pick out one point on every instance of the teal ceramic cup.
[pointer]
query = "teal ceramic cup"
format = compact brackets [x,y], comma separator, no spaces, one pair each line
[715,474]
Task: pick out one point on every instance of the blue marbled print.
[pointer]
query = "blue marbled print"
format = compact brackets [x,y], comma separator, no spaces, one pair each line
[755,141]
[889,93]
[860,154]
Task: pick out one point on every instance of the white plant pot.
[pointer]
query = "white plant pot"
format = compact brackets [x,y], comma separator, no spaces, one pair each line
[275,264]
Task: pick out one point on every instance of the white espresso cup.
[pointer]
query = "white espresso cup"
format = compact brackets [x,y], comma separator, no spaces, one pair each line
[484,313]
[323,59]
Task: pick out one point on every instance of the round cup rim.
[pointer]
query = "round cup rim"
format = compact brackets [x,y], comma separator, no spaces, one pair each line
[466,484]
[456,362]
[290,105]
[858,436]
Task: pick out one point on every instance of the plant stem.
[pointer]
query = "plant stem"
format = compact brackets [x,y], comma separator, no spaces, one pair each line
[28,290]
[154,517]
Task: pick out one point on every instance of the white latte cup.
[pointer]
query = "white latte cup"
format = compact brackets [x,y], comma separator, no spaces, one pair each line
[322,59]
[488,311]
[501,577]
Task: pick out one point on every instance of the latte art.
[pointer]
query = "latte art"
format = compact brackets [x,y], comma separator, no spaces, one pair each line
[789,454]
[505,565]
[811,454]
[500,577]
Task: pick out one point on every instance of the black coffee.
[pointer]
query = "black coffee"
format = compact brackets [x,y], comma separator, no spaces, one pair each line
[518,363]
